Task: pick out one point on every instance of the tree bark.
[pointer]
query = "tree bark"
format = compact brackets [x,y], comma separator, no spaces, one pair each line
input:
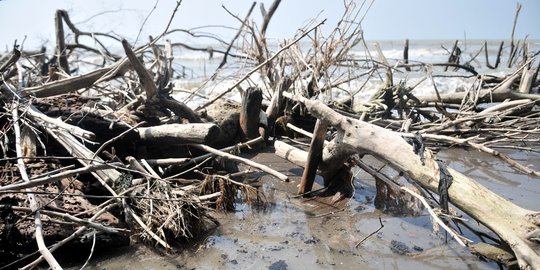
[60,42]
[519,227]
[314,157]
[249,113]
[180,133]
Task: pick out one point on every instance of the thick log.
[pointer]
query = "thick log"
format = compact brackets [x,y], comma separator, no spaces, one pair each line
[290,153]
[249,112]
[314,157]
[180,133]
[519,227]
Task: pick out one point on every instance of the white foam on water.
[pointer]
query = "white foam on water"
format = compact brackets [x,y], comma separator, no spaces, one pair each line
[427,52]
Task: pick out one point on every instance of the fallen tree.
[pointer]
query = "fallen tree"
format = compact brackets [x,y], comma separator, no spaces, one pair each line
[518,227]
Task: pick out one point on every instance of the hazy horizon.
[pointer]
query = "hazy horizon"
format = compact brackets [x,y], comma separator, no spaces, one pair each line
[417,20]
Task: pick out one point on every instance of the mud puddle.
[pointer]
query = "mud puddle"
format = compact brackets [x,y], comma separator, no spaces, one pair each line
[295,233]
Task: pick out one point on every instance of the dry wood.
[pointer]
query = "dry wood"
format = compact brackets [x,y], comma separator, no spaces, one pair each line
[106,207]
[243,160]
[80,221]
[49,122]
[13,58]
[290,153]
[240,29]
[406,55]
[61,43]
[35,182]
[498,93]
[511,222]
[84,155]
[249,112]
[167,161]
[146,81]
[180,133]
[314,157]
[74,83]
[31,197]
[219,96]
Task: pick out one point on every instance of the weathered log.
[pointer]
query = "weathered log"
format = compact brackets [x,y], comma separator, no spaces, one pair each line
[84,155]
[74,83]
[314,157]
[46,121]
[60,42]
[406,55]
[290,153]
[249,112]
[180,133]
[517,226]
[146,81]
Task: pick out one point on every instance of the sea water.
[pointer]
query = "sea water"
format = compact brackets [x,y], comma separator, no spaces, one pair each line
[194,68]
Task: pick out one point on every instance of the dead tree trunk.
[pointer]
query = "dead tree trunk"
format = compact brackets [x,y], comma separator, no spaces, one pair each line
[519,227]
[314,157]
[60,42]
[406,55]
[249,113]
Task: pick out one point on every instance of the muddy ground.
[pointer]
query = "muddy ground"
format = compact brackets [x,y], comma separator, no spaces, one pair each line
[296,233]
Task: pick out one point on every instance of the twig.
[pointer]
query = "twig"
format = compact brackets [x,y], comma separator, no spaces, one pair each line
[31,197]
[436,218]
[258,67]
[91,251]
[67,239]
[244,22]
[74,219]
[115,139]
[376,231]
[52,178]
[144,22]
[243,160]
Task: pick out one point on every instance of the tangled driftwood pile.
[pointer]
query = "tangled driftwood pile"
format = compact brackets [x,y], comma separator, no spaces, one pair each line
[109,154]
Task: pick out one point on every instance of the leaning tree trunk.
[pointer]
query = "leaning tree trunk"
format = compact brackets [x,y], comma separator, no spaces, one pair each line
[519,227]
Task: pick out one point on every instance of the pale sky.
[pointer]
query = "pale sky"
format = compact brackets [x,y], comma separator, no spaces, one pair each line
[387,19]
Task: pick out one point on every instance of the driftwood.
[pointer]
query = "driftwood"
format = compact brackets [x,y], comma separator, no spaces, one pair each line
[249,113]
[141,125]
[314,157]
[517,226]
[75,83]
[180,133]
[499,93]
[61,54]
[253,164]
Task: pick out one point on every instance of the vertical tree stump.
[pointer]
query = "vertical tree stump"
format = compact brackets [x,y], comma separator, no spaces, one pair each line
[249,113]
[406,55]
[314,157]
[60,42]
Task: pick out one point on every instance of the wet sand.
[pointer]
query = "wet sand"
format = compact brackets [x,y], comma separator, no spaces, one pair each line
[296,233]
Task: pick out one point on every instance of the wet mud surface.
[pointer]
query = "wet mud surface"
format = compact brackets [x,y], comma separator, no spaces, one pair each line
[297,233]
